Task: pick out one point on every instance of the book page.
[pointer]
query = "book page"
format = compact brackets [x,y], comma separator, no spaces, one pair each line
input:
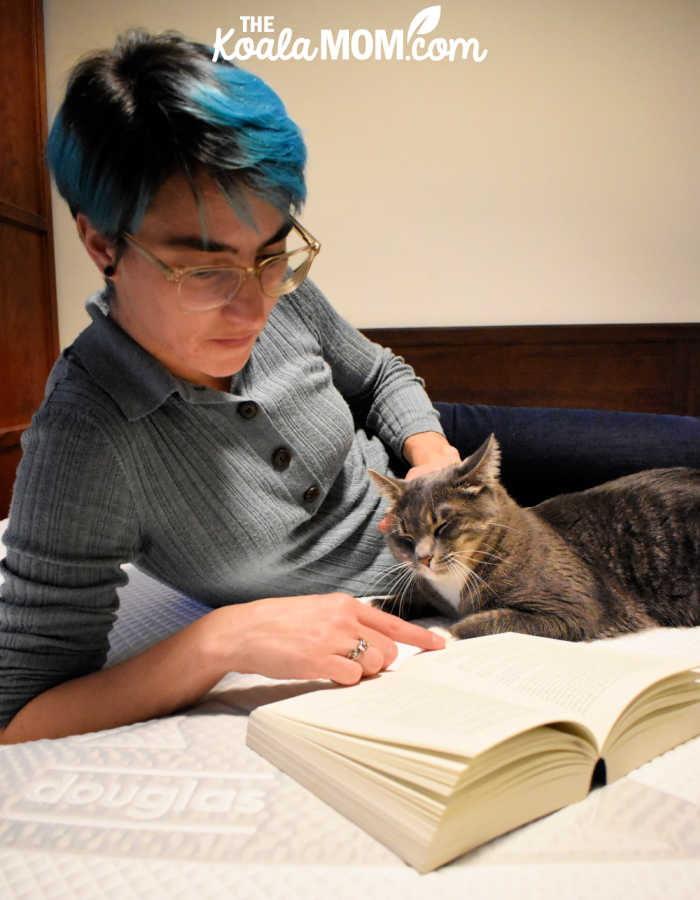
[656,641]
[589,683]
[415,712]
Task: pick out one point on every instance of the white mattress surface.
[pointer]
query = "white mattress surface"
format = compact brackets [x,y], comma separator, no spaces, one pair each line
[180,807]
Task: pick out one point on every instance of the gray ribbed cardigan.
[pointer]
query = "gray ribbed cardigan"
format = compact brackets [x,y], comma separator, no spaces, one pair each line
[261,491]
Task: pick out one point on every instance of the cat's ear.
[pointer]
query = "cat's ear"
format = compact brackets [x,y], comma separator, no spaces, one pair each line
[391,488]
[481,469]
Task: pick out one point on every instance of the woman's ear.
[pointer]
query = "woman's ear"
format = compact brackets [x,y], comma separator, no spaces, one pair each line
[102,251]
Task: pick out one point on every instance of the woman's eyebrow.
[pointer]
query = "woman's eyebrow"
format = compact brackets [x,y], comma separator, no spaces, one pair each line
[195,242]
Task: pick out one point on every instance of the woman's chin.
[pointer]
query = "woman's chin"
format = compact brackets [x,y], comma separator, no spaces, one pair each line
[224,357]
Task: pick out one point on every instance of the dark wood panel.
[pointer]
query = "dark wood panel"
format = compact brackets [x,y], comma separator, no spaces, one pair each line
[643,368]
[27,346]
[22,177]
[13,215]
[29,333]
[10,455]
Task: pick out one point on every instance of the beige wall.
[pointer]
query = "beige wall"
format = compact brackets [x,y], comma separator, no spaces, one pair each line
[554,182]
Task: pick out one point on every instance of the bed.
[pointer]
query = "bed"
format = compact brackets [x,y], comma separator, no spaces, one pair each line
[180,807]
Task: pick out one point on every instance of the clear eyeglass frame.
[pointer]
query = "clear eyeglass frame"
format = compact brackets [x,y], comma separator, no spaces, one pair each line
[202,283]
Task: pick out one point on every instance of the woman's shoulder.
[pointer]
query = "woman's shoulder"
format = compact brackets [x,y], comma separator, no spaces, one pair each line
[72,394]
[76,414]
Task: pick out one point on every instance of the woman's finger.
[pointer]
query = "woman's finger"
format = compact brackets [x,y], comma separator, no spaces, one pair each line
[400,630]
[372,660]
[343,670]
[379,642]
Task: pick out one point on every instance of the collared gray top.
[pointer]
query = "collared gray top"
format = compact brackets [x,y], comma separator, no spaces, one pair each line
[226,496]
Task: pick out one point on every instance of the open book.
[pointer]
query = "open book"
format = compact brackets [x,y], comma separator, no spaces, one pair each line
[463,744]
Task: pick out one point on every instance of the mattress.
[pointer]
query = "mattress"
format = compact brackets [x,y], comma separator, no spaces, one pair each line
[179,807]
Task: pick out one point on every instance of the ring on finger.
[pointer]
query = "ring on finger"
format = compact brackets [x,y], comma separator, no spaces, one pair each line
[358,649]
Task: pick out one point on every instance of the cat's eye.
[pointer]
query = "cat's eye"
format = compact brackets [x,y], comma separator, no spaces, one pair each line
[441,527]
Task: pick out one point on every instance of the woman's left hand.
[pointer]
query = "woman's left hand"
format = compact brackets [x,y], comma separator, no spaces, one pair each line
[449,458]
[427,452]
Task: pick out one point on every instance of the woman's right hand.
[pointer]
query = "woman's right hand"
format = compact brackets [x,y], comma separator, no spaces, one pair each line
[310,637]
[282,637]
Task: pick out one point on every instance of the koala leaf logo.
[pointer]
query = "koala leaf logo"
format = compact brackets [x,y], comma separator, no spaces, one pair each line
[424,21]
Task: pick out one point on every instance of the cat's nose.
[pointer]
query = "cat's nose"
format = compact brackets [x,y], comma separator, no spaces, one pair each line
[425,561]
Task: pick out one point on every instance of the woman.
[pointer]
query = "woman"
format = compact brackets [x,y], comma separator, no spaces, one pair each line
[215,422]
[199,427]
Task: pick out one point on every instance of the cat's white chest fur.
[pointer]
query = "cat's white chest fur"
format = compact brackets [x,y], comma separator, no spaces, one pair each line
[448,586]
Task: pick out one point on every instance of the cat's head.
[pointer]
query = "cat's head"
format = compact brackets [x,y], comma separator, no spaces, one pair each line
[440,521]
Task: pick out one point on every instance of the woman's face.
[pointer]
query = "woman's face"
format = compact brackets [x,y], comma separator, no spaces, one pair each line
[202,347]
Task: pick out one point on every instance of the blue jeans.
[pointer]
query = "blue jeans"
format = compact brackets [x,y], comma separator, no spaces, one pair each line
[549,451]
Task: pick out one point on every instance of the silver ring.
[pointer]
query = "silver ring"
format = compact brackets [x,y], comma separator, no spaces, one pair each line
[359,648]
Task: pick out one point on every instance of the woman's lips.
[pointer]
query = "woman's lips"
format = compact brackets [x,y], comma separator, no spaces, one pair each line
[234,341]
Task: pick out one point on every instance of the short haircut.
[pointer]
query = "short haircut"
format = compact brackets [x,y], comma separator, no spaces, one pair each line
[155,106]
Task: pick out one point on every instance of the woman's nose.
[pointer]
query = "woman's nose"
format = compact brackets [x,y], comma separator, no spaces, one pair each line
[248,301]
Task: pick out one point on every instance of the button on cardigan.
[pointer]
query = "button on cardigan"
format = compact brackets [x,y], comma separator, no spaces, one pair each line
[125,462]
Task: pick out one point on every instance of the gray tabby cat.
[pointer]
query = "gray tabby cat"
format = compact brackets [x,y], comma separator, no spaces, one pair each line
[622,556]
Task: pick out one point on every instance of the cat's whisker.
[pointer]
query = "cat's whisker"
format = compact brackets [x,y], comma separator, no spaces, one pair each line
[393,571]
[406,589]
[402,578]
[473,578]
[462,571]
[471,562]
[473,582]
[392,589]
[402,583]
[474,594]
[395,567]
[398,582]
[501,525]
[481,581]
[489,553]
[457,563]
[395,579]
[482,552]
[481,562]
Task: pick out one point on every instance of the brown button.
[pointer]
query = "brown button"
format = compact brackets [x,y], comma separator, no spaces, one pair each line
[281,458]
[311,494]
[247,409]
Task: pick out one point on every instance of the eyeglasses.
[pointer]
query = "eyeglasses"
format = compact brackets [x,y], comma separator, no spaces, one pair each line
[203,288]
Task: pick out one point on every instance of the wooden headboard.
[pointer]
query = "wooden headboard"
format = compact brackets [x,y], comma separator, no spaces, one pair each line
[640,368]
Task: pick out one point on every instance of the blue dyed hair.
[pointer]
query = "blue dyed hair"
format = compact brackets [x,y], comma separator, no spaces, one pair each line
[155,106]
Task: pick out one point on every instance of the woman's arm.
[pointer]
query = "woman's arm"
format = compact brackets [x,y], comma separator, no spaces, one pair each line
[428,451]
[167,676]
[283,637]
[72,523]
[370,377]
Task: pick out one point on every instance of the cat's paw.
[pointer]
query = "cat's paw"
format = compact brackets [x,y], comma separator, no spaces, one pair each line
[443,632]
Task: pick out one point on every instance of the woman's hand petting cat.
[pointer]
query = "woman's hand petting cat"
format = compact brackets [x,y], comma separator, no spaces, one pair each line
[309,637]
[427,452]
